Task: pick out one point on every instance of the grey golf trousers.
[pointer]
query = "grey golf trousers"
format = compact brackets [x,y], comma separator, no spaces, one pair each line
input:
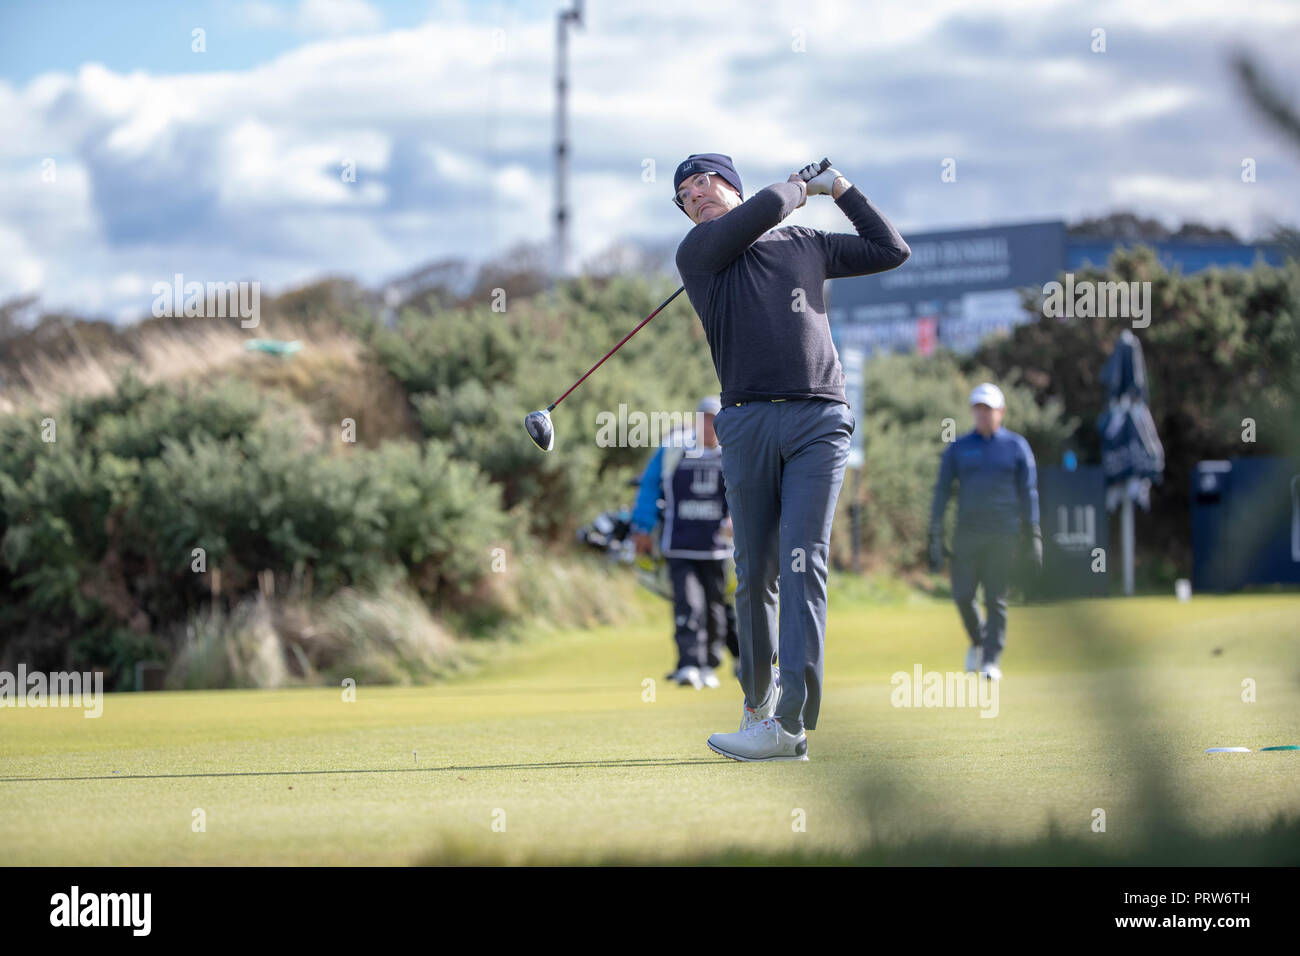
[784,464]
[987,559]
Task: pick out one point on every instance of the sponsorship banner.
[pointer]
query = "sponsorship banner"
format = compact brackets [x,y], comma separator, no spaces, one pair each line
[1245,523]
[955,289]
[1075,524]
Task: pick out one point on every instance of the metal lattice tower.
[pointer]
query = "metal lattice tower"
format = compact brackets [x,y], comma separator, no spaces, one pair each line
[564,19]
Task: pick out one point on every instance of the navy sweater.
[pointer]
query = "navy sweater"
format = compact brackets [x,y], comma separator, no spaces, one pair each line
[742,281]
[997,484]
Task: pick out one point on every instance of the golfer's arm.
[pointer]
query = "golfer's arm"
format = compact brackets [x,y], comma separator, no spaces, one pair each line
[942,488]
[1027,479]
[715,244]
[877,247]
[646,513]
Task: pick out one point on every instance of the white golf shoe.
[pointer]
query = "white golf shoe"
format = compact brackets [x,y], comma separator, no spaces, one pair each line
[709,678]
[973,657]
[763,740]
[687,677]
[752,715]
[991,670]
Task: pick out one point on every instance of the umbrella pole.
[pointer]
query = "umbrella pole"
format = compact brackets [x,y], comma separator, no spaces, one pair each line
[1126,542]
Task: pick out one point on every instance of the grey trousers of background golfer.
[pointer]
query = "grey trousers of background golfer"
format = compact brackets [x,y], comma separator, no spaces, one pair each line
[703,620]
[987,559]
[784,464]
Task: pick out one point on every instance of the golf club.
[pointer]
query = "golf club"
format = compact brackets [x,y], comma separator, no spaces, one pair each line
[538,424]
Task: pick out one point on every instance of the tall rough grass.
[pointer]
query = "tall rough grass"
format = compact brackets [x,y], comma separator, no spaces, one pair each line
[385,634]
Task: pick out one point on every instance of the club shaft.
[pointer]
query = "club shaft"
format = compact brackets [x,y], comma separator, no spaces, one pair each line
[679,291]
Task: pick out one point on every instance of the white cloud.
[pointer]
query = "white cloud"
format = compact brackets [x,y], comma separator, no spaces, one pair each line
[128,285]
[236,174]
[1169,191]
[314,17]
[1133,106]
[1198,15]
[20,272]
[261,14]
[337,17]
[261,165]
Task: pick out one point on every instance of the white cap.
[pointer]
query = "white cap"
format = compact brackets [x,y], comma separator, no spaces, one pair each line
[986,393]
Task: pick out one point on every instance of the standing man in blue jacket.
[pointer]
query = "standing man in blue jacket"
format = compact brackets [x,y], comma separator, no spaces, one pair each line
[997,510]
[687,476]
[785,422]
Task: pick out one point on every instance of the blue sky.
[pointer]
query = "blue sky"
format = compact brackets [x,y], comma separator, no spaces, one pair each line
[128,157]
[155,35]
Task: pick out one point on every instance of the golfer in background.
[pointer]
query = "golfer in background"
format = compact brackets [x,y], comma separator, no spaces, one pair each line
[687,476]
[784,424]
[997,509]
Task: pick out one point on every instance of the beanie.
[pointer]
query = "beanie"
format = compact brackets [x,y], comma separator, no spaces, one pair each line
[708,163]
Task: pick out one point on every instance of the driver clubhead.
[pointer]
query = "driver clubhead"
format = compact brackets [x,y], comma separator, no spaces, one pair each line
[540,429]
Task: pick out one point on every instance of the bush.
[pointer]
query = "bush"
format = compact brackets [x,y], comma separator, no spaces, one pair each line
[98,529]
[473,375]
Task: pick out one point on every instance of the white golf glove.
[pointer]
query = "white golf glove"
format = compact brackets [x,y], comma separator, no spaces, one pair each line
[820,185]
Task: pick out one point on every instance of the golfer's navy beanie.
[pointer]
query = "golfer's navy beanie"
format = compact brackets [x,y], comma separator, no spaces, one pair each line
[708,163]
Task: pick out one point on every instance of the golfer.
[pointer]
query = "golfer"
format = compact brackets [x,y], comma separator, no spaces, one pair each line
[784,424]
[997,509]
[687,476]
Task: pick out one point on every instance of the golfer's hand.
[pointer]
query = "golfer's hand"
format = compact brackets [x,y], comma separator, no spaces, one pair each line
[823,183]
[796,178]
[936,553]
[644,545]
[1036,544]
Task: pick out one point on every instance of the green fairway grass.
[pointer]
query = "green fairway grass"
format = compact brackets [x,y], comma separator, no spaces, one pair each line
[1106,705]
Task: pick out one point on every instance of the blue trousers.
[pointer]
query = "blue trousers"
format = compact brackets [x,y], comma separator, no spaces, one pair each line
[784,464]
